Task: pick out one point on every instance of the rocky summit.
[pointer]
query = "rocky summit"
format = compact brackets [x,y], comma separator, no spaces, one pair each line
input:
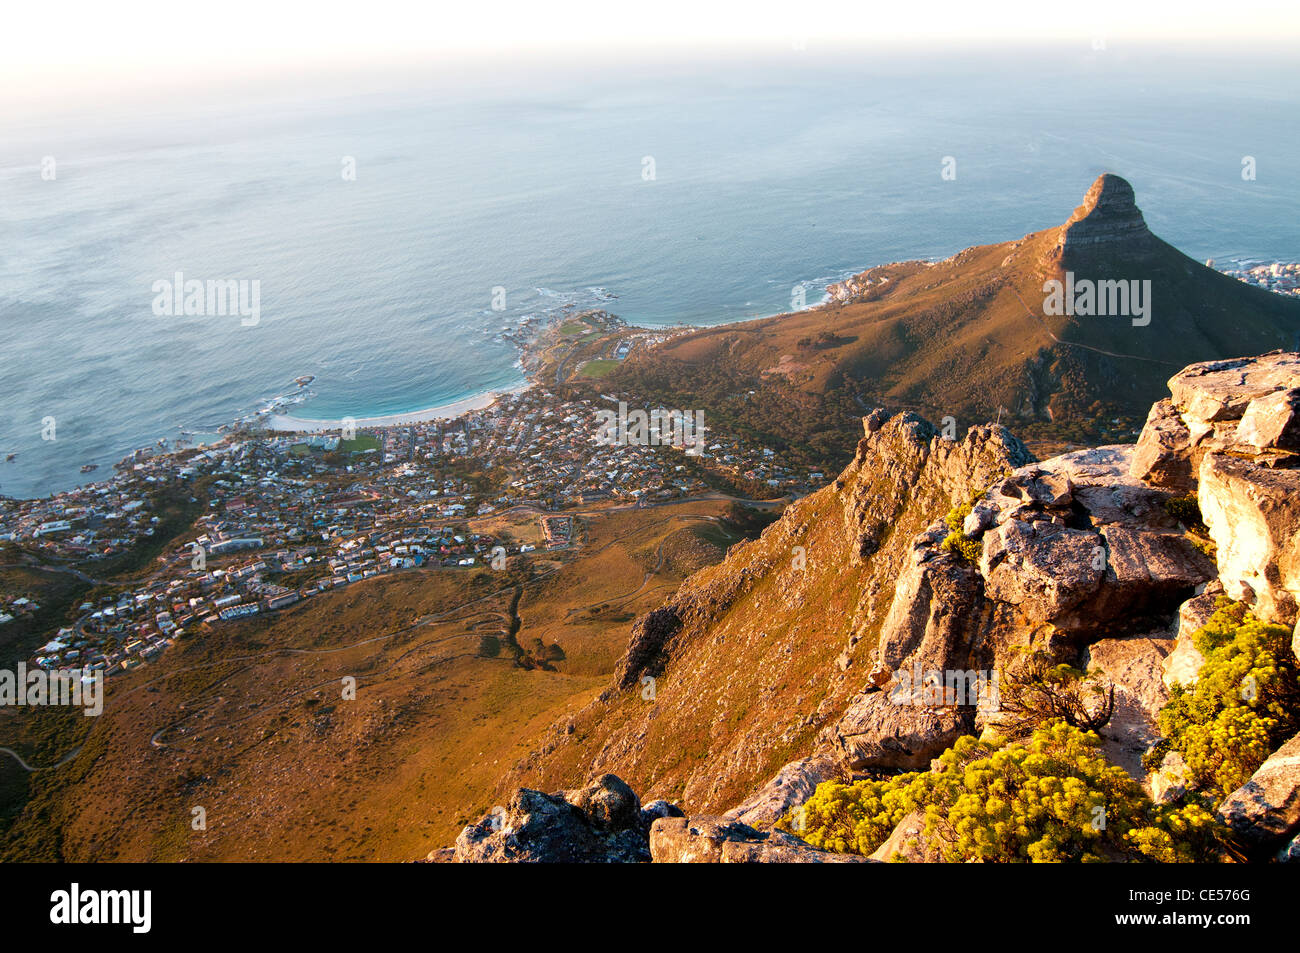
[1108,215]
[931,554]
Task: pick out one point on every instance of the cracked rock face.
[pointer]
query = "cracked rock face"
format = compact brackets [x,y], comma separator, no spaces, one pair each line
[1253,514]
[1230,431]
[1108,215]
[1163,452]
[1075,551]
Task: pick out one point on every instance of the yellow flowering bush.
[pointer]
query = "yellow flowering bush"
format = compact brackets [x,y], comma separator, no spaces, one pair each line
[1243,705]
[1052,798]
[957,542]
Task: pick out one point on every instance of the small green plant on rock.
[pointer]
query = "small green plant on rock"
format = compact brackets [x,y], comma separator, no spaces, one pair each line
[1186,509]
[1243,705]
[957,542]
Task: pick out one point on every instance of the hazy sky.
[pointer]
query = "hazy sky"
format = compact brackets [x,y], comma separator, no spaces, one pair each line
[56,52]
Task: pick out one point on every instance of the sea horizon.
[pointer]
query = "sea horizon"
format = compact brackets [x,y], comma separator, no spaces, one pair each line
[666,198]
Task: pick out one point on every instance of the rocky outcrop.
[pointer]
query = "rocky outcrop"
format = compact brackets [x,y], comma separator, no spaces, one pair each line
[1231,431]
[1253,514]
[937,612]
[645,649]
[1073,551]
[1245,407]
[904,457]
[721,840]
[909,843]
[1079,556]
[600,823]
[1184,661]
[1109,216]
[1265,811]
[793,785]
[1237,430]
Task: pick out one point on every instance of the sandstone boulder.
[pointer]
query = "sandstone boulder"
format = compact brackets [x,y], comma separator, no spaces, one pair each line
[1266,809]
[600,823]
[656,809]
[1253,515]
[876,732]
[1045,569]
[1163,453]
[793,785]
[1272,422]
[909,843]
[607,803]
[1133,666]
[721,840]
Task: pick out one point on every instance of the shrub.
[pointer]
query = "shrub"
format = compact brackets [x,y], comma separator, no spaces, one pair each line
[1034,689]
[853,818]
[957,542]
[1243,705]
[1053,798]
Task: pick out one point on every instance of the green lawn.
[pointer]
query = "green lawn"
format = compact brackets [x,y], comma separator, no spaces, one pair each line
[362,441]
[598,368]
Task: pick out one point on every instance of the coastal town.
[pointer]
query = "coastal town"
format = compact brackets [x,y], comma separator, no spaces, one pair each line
[282,517]
[1278,276]
[275,514]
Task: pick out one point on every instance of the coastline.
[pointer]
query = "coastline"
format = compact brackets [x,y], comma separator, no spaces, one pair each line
[288,423]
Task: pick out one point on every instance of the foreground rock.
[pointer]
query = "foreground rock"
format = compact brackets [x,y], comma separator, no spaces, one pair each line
[1265,810]
[600,823]
[793,785]
[1231,432]
[1073,551]
[721,840]
[910,844]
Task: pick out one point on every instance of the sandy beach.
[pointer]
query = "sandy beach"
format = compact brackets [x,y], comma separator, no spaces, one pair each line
[287,423]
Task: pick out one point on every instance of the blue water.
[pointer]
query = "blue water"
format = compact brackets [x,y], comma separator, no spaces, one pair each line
[767,173]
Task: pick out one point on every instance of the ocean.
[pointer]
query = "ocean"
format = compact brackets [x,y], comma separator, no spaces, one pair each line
[695,192]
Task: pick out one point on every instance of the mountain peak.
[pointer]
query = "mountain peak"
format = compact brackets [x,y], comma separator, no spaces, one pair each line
[1108,216]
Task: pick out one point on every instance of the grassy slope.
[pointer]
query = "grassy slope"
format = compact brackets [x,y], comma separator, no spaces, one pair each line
[753,677]
[953,338]
[255,729]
